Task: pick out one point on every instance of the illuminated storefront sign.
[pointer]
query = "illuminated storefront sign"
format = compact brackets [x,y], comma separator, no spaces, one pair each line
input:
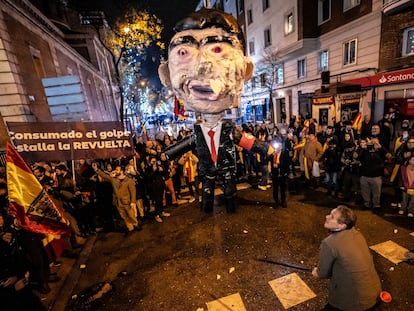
[327,100]
[400,76]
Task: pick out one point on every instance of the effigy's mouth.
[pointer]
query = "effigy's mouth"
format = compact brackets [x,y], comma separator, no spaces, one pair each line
[199,90]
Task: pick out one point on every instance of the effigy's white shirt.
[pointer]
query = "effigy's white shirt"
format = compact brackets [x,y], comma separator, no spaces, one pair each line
[217,131]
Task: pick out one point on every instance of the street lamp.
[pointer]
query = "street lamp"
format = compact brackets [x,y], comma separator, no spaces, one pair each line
[142,83]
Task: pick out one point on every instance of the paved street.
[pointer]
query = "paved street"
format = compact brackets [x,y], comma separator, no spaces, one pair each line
[192,259]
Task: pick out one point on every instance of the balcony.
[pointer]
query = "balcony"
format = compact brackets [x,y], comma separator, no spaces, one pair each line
[394,6]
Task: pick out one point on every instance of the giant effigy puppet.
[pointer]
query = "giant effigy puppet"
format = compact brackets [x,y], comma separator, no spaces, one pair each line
[206,69]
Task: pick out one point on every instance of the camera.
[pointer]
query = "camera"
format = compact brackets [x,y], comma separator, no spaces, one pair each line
[158,163]
[370,146]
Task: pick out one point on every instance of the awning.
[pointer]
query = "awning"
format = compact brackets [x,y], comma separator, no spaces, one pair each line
[338,88]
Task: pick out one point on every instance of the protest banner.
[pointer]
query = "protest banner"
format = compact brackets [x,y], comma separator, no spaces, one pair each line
[51,141]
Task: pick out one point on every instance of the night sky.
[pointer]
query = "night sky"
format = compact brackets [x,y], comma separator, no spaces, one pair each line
[169,11]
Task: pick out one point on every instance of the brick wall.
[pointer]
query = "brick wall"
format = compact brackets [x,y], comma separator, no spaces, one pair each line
[391,41]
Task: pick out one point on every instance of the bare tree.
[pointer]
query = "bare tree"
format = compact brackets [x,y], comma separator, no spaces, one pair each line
[267,68]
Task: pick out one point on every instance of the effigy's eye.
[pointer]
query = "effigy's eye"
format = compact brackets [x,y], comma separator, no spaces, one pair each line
[182,52]
[216,49]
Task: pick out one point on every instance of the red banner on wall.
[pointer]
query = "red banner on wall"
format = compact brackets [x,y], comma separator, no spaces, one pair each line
[60,141]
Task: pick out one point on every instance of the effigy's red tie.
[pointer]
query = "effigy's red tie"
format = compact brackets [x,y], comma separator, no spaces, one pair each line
[213,146]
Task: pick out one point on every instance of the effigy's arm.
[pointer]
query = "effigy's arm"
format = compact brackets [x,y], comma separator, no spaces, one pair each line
[178,149]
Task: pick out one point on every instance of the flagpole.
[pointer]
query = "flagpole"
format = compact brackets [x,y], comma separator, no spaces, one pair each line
[73,172]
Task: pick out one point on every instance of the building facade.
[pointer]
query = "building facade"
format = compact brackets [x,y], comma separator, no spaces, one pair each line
[328,60]
[51,67]
[305,41]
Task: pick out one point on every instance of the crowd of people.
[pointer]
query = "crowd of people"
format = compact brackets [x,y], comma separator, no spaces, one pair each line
[122,194]
[352,164]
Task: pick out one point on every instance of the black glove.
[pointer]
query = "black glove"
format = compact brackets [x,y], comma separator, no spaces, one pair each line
[186,144]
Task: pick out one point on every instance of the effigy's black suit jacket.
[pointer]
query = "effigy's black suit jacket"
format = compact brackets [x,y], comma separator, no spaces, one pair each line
[226,157]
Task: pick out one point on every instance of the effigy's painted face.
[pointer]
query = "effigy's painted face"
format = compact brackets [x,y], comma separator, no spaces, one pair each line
[207,69]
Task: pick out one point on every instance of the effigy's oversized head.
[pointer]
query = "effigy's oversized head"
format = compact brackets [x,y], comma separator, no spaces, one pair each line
[207,66]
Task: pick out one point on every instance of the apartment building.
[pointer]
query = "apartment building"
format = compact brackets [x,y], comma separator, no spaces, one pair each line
[46,52]
[392,86]
[328,59]
[312,47]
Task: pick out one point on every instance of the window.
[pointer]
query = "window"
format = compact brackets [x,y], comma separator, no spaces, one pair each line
[240,6]
[301,68]
[408,41]
[265,4]
[249,16]
[37,62]
[279,74]
[267,38]
[323,61]
[324,10]
[350,49]
[262,79]
[253,82]
[289,23]
[349,4]
[251,47]
[69,70]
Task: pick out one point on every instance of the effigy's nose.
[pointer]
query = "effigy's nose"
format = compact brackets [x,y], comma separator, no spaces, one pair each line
[205,67]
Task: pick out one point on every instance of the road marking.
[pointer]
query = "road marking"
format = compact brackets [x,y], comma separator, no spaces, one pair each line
[241,186]
[291,290]
[392,251]
[232,302]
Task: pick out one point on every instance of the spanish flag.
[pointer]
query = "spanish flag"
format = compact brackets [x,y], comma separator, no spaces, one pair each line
[179,109]
[29,202]
[357,122]
[144,129]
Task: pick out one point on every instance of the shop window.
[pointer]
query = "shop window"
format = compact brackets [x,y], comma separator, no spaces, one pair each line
[350,50]
[301,68]
[324,11]
[408,41]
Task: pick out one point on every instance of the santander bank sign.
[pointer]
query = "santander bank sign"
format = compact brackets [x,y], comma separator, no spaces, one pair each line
[395,78]
[399,76]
